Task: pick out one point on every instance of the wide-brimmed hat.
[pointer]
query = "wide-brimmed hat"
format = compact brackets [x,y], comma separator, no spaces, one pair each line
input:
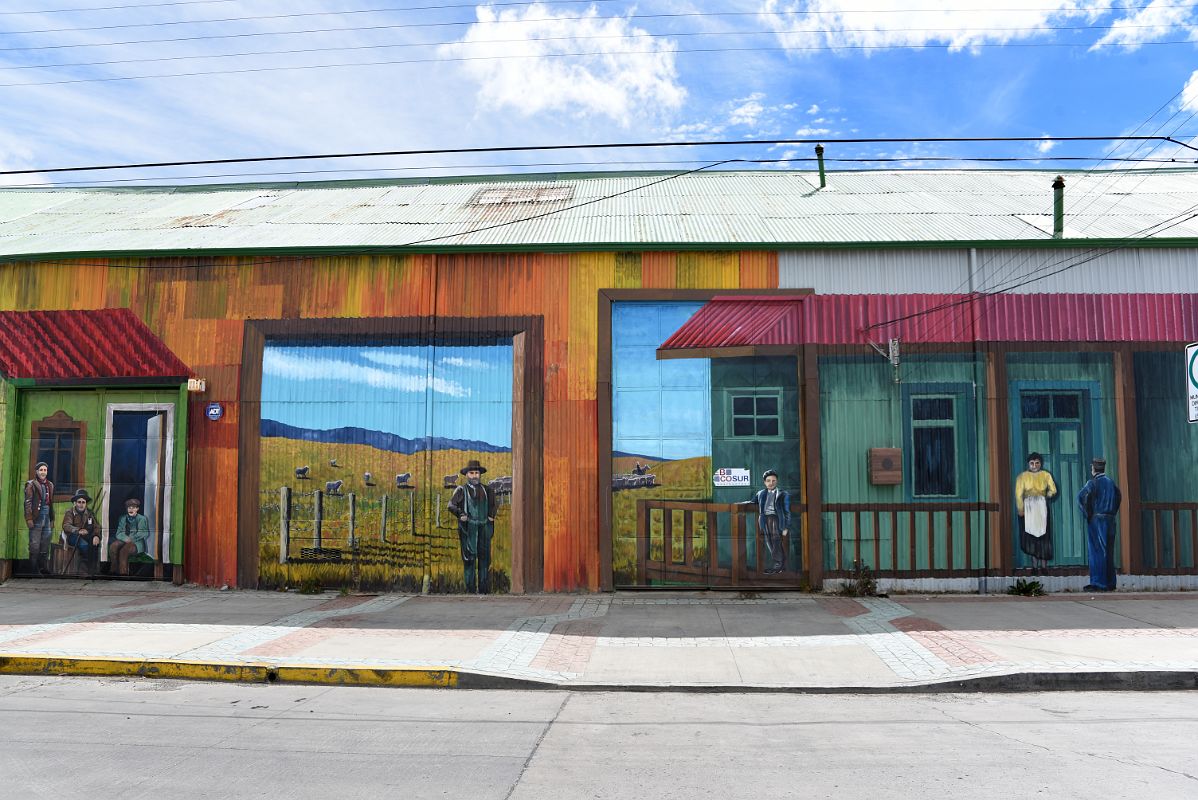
[81,493]
[472,464]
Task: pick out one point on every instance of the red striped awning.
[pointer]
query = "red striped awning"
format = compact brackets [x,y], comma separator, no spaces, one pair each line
[83,345]
[751,321]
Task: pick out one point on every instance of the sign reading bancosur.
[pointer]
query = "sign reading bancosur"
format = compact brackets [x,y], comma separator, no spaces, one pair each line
[730,476]
[1192,381]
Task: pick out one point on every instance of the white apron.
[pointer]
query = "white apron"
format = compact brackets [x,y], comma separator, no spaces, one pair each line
[1035,515]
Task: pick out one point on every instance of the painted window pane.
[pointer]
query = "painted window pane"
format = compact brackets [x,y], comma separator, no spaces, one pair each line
[767,426]
[743,426]
[1039,442]
[1068,442]
[935,469]
[767,406]
[742,405]
[1035,406]
[57,448]
[1065,406]
[934,408]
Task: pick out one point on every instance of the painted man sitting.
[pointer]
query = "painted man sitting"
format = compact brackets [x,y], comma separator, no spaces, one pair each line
[132,537]
[81,530]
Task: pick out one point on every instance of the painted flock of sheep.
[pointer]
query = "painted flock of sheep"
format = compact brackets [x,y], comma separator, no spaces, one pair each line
[500,486]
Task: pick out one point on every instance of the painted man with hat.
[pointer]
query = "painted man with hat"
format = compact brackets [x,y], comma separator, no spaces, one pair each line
[474,506]
[1099,500]
[39,515]
[81,530]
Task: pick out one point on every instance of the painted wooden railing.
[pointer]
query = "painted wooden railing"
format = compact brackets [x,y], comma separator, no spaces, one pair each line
[681,562]
[1170,538]
[909,540]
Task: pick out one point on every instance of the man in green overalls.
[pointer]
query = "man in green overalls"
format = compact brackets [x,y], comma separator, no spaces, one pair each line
[474,506]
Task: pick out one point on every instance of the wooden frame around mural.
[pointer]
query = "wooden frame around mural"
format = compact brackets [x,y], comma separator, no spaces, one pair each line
[603,391]
[528,400]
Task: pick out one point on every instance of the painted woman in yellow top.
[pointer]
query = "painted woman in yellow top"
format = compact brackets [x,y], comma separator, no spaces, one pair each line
[1033,489]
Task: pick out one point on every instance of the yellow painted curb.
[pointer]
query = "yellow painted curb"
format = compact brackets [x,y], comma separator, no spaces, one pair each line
[229,671]
[367,676]
[147,668]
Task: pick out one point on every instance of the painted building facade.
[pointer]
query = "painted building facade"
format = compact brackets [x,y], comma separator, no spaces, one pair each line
[617,378]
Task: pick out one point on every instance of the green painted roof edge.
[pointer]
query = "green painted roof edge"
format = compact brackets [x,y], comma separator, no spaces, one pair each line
[620,247]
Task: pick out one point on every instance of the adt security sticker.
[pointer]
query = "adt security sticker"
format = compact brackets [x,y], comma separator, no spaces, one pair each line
[214,411]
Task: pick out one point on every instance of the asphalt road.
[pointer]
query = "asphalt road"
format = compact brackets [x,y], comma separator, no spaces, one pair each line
[64,738]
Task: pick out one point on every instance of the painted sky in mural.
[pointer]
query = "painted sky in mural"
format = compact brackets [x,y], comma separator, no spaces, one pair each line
[456,392]
[660,409]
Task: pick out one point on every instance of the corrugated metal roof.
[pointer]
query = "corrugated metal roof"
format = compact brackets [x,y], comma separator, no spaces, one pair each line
[73,345]
[740,321]
[715,208]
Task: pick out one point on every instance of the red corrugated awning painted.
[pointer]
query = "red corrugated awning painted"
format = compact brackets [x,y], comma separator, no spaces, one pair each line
[742,321]
[83,345]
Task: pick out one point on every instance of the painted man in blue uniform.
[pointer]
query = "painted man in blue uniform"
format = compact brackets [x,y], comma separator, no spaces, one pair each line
[773,519]
[1099,500]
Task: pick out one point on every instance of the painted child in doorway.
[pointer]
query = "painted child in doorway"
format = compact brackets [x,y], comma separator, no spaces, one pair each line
[1033,489]
[132,536]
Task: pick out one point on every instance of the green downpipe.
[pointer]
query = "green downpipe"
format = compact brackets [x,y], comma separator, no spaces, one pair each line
[819,156]
[1058,207]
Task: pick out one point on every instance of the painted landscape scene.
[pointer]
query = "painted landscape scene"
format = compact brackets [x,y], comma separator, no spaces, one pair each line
[385,475]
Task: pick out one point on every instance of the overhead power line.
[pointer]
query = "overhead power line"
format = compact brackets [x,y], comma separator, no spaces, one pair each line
[603,54]
[280,175]
[394,9]
[597,146]
[491,42]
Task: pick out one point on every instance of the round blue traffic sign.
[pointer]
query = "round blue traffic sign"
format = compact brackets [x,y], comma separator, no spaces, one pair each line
[214,411]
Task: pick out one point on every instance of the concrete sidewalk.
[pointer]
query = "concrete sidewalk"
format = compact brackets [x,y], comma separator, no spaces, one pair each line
[692,641]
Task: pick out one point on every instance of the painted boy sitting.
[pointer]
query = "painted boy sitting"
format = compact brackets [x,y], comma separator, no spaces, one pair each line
[132,536]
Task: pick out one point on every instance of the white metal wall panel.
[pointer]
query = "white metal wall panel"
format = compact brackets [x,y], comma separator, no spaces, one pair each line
[1025,271]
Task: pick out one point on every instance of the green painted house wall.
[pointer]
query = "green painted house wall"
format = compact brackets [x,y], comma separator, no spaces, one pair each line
[89,406]
[1168,446]
[861,407]
[8,415]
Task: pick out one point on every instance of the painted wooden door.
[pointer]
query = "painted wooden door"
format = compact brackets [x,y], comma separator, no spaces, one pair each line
[1054,424]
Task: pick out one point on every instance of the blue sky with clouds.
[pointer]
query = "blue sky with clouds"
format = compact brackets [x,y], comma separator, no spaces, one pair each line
[75,85]
[457,392]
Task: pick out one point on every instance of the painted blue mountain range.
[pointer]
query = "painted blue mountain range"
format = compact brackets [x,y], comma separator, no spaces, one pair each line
[376,439]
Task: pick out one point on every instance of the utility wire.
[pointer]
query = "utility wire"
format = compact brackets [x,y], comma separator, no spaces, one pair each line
[688,14]
[604,54]
[491,42]
[623,164]
[595,146]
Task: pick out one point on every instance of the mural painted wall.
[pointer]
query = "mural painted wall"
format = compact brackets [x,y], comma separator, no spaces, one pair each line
[198,307]
[368,446]
[99,490]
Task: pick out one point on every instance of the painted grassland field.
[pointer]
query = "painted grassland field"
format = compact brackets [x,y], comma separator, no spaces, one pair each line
[684,479]
[418,549]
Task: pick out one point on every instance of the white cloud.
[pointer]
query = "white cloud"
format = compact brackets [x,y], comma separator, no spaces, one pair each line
[841,24]
[1155,20]
[1189,93]
[465,363]
[625,75]
[1045,146]
[299,368]
[814,109]
[749,110]
[812,132]
[404,360]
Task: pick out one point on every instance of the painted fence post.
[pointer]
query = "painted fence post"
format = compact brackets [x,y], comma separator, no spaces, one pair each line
[317,516]
[353,520]
[383,528]
[284,523]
